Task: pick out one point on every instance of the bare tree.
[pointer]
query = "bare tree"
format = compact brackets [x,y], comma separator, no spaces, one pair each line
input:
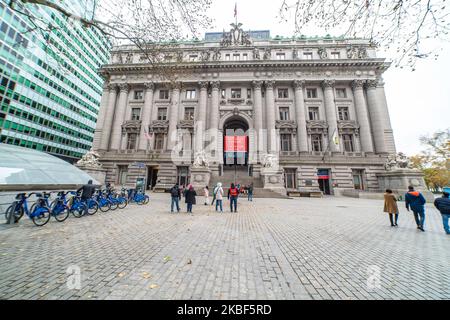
[399,26]
[151,25]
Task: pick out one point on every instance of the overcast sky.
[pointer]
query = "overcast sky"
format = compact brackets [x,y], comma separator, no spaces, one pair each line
[419,101]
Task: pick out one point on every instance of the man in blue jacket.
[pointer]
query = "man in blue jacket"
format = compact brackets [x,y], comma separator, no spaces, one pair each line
[443,205]
[416,201]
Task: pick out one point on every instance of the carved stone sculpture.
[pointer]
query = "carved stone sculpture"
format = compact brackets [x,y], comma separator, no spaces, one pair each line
[200,160]
[90,159]
[322,53]
[398,161]
[256,55]
[270,161]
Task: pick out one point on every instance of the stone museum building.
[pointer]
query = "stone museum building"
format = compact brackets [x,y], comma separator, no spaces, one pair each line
[288,114]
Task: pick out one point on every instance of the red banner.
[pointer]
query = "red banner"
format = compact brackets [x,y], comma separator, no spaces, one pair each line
[236,144]
[229,144]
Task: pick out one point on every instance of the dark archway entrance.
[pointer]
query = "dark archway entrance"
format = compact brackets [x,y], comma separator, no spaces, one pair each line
[235,142]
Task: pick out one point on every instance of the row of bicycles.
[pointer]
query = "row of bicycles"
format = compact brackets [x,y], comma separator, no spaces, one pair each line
[70,202]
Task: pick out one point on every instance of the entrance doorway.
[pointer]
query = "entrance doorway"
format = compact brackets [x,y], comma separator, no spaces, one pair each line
[152,177]
[236,143]
[324,180]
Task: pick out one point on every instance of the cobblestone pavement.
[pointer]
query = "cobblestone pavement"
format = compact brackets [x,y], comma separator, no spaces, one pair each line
[272,249]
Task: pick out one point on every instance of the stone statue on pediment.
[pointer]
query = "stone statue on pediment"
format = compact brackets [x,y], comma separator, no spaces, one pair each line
[129,58]
[295,54]
[236,36]
[362,53]
[267,54]
[322,53]
[256,55]
[90,159]
[352,53]
[205,55]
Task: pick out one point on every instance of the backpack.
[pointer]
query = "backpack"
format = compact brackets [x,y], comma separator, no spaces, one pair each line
[233,192]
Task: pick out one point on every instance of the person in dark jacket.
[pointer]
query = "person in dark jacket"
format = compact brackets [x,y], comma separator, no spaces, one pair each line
[416,201]
[87,191]
[175,194]
[233,194]
[190,198]
[443,205]
[250,192]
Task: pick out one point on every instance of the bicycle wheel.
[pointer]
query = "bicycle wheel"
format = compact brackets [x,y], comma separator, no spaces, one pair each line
[92,207]
[114,205]
[43,217]
[105,207]
[78,210]
[147,199]
[60,211]
[123,203]
[17,215]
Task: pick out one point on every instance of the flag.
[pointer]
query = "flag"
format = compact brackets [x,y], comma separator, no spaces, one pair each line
[336,138]
[147,135]
[235,10]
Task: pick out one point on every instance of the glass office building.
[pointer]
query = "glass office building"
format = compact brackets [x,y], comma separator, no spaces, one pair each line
[50,88]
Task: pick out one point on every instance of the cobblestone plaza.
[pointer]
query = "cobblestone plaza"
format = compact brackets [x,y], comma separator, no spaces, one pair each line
[302,248]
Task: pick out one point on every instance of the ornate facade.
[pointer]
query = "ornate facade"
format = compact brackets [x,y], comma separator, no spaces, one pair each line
[315,104]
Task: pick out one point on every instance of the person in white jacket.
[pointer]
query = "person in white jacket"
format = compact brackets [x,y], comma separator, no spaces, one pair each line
[218,192]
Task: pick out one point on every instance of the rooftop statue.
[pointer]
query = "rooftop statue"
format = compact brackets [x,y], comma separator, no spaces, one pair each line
[236,36]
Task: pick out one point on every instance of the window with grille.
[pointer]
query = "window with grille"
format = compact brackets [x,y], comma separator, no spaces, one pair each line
[283,93]
[311,93]
[290,178]
[316,142]
[159,141]
[132,139]
[189,113]
[347,140]
[163,94]
[135,113]
[343,113]
[191,94]
[286,142]
[313,113]
[358,179]
[162,113]
[284,113]
[138,95]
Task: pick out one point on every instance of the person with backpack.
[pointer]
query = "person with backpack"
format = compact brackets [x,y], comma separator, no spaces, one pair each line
[233,194]
[416,201]
[218,196]
[443,205]
[175,194]
[189,196]
[390,207]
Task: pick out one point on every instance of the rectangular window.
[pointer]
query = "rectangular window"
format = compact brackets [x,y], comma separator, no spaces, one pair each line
[190,94]
[283,93]
[163,94]
[307,55]
[316,142]
[290,178]
[347,140]
[313,113]
[227,57]
[138,95]
[244,56]
[162,113]
[183,175]
[286,142]
[132,139]
[159,141]
[343,113]
[235,93]
[136,114]
[189,113]
[358,179]
[284,113]
[281,56]
[311,93]
[236,56]
[341,93]
[222,94]
[335,55]
[122,175]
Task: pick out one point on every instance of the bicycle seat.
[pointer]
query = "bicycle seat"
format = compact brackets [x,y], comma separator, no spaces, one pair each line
[20,196]
[39,195]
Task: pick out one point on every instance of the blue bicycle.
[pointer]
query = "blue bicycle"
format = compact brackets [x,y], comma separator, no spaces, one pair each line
[103,204]
[138,197]
[60,209]
[76,205]
[39,214]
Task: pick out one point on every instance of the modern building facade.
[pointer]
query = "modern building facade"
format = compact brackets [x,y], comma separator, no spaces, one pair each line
[315,105]
[50,88]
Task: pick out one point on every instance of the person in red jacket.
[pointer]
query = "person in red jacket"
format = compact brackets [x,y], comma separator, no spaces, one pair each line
[233,194]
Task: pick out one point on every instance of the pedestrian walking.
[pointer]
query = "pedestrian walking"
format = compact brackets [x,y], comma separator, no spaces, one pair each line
[443,205]
[390,207]
[218,196]
[233,194]
[250,192]
[175,194]
[87,191]
[416,201]
[206,194]
[189,196]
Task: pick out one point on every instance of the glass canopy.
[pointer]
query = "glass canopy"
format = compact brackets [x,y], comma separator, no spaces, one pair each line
[22,166]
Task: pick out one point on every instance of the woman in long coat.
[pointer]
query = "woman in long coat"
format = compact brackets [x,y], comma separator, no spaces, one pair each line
[390,206]
[190,198]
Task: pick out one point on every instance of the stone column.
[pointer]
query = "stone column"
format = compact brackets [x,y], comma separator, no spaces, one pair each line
[258,111]
[109,116]
[377,117]
[214,117]
[119,117]
[300,113]
[146,115]
[173,118]
[330,110]
[200,122]
[362,116]
[101,117]
[388,132]
[270,112]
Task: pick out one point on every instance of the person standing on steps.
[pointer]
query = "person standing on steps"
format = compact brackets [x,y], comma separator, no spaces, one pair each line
[175,194]
[190,198]
[416,201]
[443,205]
[218,195]
[206,194]
[390,207]
[250,192]
[233,194]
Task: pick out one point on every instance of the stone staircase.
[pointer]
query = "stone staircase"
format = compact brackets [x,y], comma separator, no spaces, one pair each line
[244,179]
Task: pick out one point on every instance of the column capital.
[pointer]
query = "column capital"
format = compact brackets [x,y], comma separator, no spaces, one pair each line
[374,83]
[257,84]
[149,85]
[111,86]
[269,84]
[124,87]
[203,84]
[328,84]
[215,85]
[358,84]
[299,84]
